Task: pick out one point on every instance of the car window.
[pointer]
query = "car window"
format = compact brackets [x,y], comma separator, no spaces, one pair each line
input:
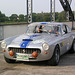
[68,29]
[64,29]
[52,29]
[30,29]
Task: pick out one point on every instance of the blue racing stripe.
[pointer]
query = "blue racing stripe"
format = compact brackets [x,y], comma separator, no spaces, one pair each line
[44,23]
[33,36]
[25,43]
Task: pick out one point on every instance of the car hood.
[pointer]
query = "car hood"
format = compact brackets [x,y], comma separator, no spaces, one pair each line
[32,39]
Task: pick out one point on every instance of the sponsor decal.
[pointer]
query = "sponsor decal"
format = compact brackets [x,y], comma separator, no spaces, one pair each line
[26,42]
[62,44]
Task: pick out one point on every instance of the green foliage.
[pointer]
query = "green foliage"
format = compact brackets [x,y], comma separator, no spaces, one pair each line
[3,18]
[37,17]
[46,17]
[25,18]
[21,18]
[13,17]
[41,17]
[61,17]
[34,17]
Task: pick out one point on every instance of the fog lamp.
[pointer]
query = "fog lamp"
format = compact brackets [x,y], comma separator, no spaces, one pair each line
[11,53]
[34,54]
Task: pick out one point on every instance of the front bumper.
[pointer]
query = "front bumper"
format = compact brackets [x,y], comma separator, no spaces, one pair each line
[41,56]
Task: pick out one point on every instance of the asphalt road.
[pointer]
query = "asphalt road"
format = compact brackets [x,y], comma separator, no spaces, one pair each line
[65,67]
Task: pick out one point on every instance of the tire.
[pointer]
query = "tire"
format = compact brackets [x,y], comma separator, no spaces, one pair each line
[72,50]
[54,61]
[9,60]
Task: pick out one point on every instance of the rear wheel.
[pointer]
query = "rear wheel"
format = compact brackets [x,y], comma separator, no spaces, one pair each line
[55,58]
[72,50]
[9,60]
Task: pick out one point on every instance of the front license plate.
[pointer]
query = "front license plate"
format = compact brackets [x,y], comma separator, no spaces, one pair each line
[22,56]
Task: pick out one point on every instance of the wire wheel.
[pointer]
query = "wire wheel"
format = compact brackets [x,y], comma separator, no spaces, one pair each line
[55,58]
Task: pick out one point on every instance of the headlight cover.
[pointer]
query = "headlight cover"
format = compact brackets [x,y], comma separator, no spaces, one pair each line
[3,44]
[45,46]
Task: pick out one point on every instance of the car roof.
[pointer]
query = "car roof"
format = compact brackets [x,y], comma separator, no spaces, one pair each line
[45,23]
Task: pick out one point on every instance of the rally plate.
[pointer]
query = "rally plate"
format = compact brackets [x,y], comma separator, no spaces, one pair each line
[20,56]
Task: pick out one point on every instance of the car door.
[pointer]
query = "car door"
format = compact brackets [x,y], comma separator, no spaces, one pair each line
[65,39]
[70,38]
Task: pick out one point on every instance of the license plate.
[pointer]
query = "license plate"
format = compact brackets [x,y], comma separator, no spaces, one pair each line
[22,57]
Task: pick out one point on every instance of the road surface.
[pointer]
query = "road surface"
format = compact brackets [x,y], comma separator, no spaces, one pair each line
[65,67]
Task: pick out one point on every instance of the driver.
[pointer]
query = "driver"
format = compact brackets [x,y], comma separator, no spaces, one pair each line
[55,30]
[40,29]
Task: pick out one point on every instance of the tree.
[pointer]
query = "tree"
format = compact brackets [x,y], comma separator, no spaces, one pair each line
[39,17]
[25,18]
[14,17]
[56,16]
[3,18]
[34,17]
[61,16]
[21,17]
[46,17]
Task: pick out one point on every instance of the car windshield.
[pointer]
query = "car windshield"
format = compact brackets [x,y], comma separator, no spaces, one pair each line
[53,29]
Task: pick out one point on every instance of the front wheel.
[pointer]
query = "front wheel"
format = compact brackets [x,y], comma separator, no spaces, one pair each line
[55,58]
[9,60]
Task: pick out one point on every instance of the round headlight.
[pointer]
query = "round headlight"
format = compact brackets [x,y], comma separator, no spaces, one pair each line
[45,46]
[3,44]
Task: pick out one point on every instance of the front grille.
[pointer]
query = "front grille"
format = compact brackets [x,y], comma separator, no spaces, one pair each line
[25,50]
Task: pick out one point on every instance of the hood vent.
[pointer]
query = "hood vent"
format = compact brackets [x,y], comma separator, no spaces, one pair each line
[27,40]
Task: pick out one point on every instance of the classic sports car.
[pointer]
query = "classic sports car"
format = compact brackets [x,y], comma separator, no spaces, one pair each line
[43,41]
